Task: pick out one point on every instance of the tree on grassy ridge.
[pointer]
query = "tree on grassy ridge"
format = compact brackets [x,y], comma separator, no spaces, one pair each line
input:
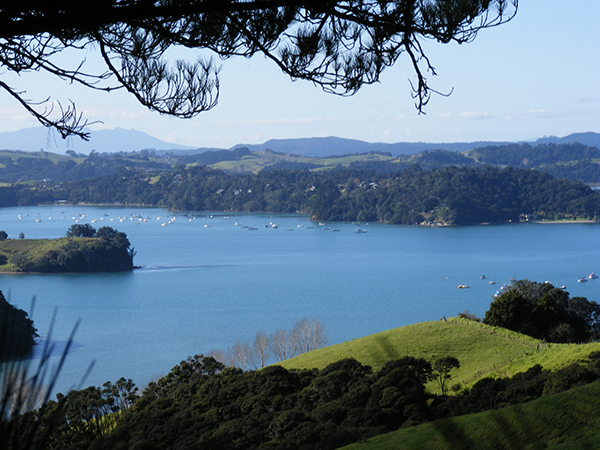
[544,312]
[441,370]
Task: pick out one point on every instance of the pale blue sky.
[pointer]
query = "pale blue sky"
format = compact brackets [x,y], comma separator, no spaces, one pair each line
[537,75]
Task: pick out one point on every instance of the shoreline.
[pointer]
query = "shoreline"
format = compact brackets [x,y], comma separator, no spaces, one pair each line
[423,225]
[563,221]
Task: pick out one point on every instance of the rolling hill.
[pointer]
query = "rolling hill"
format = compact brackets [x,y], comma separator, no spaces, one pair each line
[568,420]
[481,349]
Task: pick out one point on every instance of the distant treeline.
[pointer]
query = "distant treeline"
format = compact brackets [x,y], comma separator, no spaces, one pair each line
[40,166]
[452,195]
[576,162]
[481,185]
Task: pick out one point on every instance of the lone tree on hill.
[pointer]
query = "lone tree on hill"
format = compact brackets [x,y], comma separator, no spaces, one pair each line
[339,45]
[442,368]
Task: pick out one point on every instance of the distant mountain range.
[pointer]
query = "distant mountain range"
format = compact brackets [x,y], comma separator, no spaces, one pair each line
[119,139]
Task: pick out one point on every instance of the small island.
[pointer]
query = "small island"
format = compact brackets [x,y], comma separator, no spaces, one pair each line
[83,249]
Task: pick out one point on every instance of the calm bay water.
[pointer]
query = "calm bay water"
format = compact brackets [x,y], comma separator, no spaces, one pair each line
[205,287]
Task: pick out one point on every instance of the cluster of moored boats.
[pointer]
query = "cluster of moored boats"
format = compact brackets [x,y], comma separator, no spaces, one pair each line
[591,276]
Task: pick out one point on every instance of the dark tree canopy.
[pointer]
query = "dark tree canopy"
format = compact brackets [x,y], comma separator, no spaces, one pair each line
[17,333]
[545,312]
[339,45]
[85,230]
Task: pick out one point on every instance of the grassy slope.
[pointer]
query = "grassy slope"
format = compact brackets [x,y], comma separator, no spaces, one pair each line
[33,248]
[482,350]
[568,420]
[259,160]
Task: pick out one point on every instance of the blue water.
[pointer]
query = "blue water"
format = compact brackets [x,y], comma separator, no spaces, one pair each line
[204,288]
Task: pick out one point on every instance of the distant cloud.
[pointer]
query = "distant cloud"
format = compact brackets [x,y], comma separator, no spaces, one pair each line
[466,115]
[589,100]
[283,121]
[540,111]
[112,117]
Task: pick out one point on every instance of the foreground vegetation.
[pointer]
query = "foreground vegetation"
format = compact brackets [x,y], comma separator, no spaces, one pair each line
[448,375]
[203,404]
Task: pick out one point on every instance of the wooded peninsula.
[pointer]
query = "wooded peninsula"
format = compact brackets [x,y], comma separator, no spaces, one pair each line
[489,185]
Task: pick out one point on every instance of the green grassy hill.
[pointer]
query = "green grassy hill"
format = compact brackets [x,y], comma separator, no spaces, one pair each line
[31,250]
[481,349]
[569,420]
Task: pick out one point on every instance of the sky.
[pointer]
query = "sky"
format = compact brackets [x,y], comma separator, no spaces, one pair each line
[538,75]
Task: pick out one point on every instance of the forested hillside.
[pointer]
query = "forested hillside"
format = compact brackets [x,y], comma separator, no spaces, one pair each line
[573,161]
[487,185]
[452,195]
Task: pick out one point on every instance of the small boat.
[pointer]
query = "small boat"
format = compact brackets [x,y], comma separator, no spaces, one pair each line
[335,230]
[359,230]
[582,280]
[462,286]
[592,275]
[482,277]
[492,282]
